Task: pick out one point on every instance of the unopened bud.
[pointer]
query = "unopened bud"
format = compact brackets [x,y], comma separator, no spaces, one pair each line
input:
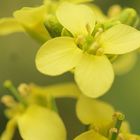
[114,10]
[128,16]
[53,26]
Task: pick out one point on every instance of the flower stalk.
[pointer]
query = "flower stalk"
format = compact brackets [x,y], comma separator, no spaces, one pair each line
[119,117]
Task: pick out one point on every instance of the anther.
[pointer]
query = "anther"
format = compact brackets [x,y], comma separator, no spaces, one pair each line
[100,30]
[8,101]
[100,51]
[24,89]
[80,40]
[113,130]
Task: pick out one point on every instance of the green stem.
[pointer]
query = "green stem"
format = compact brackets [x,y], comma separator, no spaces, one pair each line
[54,106]
[10,87]
[119,119]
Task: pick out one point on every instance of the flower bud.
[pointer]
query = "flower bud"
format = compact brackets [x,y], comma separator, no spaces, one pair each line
[53,26]
[129,16]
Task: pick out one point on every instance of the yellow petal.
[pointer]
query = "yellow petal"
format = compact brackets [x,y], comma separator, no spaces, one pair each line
[90,135]
[10,129]
[94,75]
[9,25]
[57,91]
[91,111]
[76,18]
[39,123]
[120,39]
[127,136]
[57,56]
[100,16]
[77,1]
[125,127]
[32,19]
[124,63]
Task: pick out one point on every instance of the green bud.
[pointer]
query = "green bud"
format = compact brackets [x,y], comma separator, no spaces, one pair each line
[53,26]
[129,16]
[65,32]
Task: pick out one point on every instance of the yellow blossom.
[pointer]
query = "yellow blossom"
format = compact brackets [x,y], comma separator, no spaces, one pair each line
[37,119]
[102,120]
[86,54]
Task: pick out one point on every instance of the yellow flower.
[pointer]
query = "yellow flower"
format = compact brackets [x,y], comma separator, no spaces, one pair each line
[27,19]
[97,114]
[38,120]
[32,19]
[124,63]
[86,54]
[102,121]
[41,123]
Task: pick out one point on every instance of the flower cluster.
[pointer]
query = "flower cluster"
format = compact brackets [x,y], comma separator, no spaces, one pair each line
[75,36]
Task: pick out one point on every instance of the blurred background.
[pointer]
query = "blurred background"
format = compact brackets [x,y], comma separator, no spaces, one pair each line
[17,53]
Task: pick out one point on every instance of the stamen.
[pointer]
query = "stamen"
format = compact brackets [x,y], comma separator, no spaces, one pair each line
[88,28]
[93,48]
[98,33]
[80,40]
[8,101]
[118,117]
[100,52]
[8,84]
[24,89]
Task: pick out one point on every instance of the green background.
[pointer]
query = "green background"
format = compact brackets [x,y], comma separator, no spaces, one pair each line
[17,53]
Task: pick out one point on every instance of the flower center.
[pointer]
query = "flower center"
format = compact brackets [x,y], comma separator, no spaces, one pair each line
[89,43]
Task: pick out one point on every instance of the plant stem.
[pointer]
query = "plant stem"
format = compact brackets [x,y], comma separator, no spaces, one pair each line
[119,119]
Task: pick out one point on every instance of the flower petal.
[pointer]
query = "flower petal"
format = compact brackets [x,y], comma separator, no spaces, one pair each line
[120,39]
[127,136]
[90,135]
[39,123]
[32,20]
[57,56]
[57,91]
[94,75]
[100,16]
[124,63]
[96,112]
[76,18]
[77,1]
[9,25]
[10,129]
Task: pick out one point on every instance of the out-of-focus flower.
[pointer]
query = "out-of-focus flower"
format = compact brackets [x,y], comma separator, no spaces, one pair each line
[103,122]
[32,19]
[35,114]
[87,54]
